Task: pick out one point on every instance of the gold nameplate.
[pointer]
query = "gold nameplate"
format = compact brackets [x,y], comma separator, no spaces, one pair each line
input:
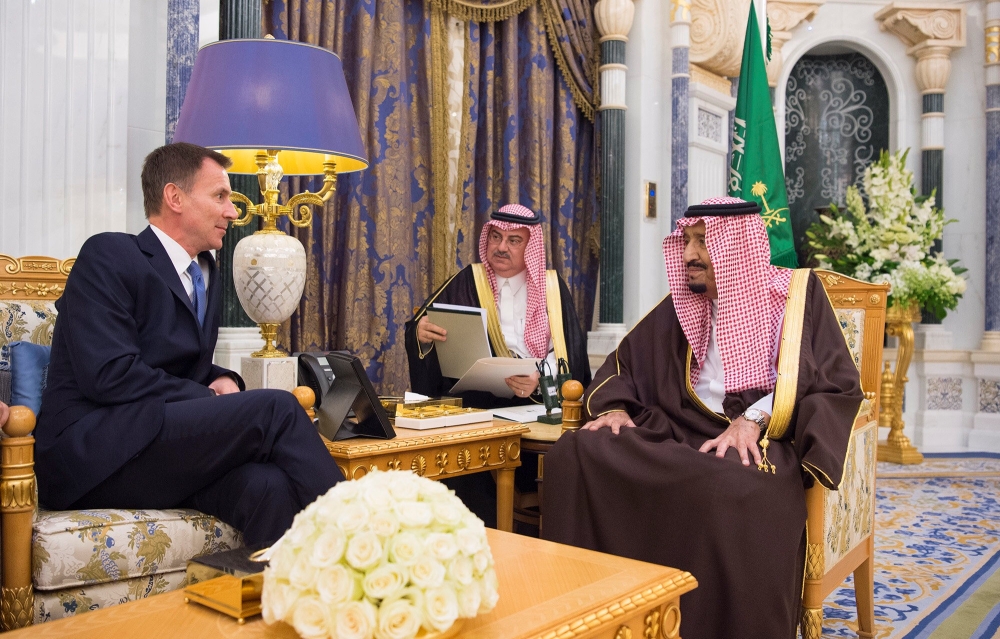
[238,597]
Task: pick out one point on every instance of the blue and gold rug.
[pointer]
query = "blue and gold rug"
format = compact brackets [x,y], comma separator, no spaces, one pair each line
[937,552]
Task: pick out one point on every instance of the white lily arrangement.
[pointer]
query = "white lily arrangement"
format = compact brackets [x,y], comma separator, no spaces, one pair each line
[890,241]
[383,556]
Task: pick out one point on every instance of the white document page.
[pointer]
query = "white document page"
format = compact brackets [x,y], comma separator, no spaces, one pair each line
[488,374]
[466,341]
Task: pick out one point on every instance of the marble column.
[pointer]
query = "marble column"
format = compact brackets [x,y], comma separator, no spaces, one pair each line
[238,334]
[182,47]
[991,339]
[931,33]
[680,78]
[985,435]
[614,20]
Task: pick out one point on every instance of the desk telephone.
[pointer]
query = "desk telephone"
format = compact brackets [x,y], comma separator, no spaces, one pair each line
[346,403]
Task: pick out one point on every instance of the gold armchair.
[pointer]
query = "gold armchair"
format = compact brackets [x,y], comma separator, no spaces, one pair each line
[60,563]
[840,525]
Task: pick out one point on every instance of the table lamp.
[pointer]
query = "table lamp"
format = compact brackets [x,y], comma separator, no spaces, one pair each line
[275,108]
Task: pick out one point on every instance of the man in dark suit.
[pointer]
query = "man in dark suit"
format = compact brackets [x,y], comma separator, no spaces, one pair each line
[135,414]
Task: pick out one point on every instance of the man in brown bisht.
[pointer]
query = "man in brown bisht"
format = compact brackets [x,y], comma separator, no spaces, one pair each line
[668,469]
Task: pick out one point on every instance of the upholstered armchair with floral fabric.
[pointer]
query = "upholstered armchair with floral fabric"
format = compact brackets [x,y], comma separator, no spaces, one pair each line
[840,525]
[61,563]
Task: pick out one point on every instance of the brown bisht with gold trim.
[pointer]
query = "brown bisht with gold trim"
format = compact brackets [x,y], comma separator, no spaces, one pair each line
[648,493]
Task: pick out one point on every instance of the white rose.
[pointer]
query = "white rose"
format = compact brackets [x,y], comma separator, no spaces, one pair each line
[488,590]
[460,570]
[377,497]
[427,572]
[431,488]
[303,573]
[469,520]
[469,600]
[441,546]
[481,561]
[345,491]
[384,524]
[447,514]
[397,619]
[303,528]
[405,486]
[355,620]
[328,547]
[385,581]
[327,509]
[405,548]
[277,599]
[440,608]
[283,560]
[469,540]
[364,551]
[352,518]
[413,514]
[311,619]
[336,584]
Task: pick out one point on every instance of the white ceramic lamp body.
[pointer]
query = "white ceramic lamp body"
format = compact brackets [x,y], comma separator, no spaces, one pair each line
[269,270]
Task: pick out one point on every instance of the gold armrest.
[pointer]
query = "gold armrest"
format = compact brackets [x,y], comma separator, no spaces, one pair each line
[17,513]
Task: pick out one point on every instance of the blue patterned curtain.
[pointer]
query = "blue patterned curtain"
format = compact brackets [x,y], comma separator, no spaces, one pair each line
[524,140]
[368,250]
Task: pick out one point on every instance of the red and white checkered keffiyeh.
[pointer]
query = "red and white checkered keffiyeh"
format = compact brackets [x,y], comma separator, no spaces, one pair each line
[752,296]
[536,324]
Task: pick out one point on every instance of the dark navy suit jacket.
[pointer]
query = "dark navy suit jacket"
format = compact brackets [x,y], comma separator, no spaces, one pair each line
[126,342]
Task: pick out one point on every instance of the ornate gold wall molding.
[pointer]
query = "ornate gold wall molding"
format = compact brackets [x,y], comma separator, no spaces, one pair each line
[931,33]
[993,44]
[717,31]
[785,16]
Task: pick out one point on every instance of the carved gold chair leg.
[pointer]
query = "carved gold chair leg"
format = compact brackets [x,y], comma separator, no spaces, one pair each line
[812,623]
[864,592]
[17,513]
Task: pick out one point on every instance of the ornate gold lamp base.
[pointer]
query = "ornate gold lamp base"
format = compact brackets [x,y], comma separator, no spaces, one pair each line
[897,447]
[269,332]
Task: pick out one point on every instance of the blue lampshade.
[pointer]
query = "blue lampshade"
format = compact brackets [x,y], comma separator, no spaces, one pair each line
[251,95]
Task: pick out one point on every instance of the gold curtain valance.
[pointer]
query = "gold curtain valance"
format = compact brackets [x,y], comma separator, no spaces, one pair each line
[472,11]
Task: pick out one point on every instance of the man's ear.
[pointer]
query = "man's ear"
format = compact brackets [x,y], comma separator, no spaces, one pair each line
[173,198]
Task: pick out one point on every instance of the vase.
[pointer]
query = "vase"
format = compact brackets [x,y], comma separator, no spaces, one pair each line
[269,274]
[897,447]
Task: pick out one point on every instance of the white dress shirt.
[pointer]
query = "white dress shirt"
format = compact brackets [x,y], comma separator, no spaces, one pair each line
[180,258]
[514,290]
[711,386]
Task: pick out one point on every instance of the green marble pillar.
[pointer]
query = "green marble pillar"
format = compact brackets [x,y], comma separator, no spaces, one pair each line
[612,183]
[237,19]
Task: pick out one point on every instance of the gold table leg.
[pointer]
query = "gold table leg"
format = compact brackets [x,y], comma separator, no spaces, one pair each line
[897,447]
[505,500]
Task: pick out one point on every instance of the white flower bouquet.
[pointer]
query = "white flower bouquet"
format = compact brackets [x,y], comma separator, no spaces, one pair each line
[388,556]
[890,241]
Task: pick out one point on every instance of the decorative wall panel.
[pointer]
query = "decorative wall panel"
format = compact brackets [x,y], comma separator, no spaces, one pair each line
[63,120]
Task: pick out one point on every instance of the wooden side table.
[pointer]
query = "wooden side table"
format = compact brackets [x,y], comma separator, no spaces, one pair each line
[441,453]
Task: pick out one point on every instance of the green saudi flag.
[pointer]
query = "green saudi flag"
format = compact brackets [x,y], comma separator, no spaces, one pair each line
[755,173]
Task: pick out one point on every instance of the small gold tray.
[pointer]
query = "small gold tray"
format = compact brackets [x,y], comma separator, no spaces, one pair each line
[390,403]
[238,597]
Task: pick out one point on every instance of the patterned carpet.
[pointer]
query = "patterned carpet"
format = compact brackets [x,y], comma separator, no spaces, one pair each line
[937,552]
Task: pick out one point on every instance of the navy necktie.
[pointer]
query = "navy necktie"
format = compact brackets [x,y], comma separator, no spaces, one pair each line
[194,270]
